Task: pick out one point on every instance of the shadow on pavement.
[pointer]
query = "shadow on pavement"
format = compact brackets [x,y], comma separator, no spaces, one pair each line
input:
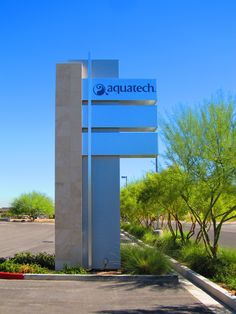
[163,309]
[132,284]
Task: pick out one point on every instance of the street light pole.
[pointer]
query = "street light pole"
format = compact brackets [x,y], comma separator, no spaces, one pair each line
[126,180]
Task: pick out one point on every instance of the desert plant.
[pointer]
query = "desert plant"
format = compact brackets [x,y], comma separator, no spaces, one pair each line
[143,260]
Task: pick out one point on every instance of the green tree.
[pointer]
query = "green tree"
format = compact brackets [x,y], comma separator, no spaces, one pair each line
[202,144]
[129,206]
[168,195]
[149,207]
[32,204]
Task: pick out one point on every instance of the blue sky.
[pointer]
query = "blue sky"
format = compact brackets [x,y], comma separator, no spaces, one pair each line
[187,45]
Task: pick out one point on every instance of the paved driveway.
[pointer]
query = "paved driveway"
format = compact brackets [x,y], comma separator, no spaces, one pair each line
[111,296]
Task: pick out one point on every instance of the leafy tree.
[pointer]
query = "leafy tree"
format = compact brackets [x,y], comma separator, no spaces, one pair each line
[168,195]
[32,204]
[202,144]
[128,202]
[148,207]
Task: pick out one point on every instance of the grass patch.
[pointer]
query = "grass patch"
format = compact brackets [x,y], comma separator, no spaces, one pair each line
[143,260]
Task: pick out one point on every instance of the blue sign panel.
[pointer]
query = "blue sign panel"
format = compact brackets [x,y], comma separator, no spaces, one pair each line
[122,117]
[121,89]
[122,144]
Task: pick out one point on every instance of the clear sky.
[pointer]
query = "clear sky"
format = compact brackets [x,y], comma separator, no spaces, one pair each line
[189,46]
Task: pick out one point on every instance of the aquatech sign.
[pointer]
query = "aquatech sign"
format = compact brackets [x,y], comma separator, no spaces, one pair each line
[121,89]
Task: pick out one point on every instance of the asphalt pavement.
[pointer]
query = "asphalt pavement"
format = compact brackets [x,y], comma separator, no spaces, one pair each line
[26,236]
[27,297]
[227,237]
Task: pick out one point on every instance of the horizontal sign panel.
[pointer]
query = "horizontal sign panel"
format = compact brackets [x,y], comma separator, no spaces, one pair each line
[118,116]
[121,89]
[122,144]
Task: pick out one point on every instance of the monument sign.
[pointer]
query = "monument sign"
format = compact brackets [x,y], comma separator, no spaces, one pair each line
[99,119]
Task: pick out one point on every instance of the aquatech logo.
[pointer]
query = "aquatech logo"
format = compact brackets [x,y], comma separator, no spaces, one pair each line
[100,89]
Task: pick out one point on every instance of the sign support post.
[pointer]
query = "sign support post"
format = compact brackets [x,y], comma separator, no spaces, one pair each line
[90,213]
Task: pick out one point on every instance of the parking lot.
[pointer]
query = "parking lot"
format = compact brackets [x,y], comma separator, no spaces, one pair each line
[26,236]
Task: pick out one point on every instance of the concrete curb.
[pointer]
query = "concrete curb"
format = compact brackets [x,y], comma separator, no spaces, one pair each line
[164,279]
[7,275]
[210,287]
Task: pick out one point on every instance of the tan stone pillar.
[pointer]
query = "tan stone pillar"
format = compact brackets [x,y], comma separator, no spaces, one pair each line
[68,187]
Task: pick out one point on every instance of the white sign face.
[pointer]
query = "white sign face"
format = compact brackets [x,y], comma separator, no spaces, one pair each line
[120,89]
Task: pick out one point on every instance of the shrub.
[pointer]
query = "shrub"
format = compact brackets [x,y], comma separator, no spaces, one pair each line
[227,270]
[73,270]
[168,245]
[143,260]
[44,260]
[196,258]
[33,269]
[219,268]
[12,267]
[138,230]
[2,260]
[125,226]
[150,238]
[23,258]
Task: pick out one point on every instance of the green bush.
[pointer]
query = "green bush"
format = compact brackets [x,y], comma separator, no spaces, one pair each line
[23,258]
[125,226]
[168,245]
[44,260]
[196,258]
[227,271]
[39,263]
[73,270]
[150,238]
[137,230]
[221,269]
[2,260]
[12,267]
[143,260]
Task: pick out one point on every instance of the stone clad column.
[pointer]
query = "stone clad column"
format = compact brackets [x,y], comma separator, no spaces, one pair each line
[68,189]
